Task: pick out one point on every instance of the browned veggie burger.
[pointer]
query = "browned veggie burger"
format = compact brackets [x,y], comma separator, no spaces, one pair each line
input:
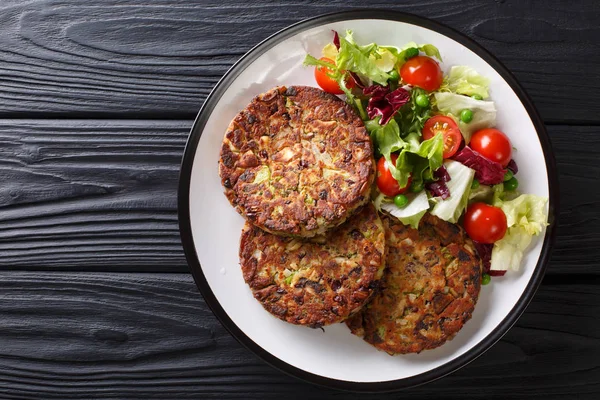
[316,281]
[297,161]
[429,289]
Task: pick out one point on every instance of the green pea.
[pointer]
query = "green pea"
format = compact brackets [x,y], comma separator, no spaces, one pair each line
[508,175]
[422,100]
[466,116]
[511,184]
[416,187]
[475,184]
[394,76]
[410,53]
[477,97]
[485,279]
[400,200]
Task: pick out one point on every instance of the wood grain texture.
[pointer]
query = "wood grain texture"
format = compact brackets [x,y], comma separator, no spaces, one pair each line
[81,336]
[160,58]
[90,194]
[101,196]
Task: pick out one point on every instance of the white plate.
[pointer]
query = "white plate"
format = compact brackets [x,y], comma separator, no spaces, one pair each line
[210,227]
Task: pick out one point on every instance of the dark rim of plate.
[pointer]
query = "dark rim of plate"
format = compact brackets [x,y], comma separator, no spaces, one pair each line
[186,229]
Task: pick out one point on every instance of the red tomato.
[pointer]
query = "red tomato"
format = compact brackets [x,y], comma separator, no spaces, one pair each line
[485,223]
[327,84]
[422,71]
[493,145]
[447,127]
[386,183]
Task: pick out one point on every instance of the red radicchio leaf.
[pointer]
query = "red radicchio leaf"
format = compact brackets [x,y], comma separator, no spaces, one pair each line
[336,39]
[487,172]
[512,165]
[485,252]
[442,174]
[439,188]
[385,103]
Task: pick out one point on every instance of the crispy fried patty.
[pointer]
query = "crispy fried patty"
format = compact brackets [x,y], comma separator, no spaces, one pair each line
[428,291]
[316,281]
[296,161]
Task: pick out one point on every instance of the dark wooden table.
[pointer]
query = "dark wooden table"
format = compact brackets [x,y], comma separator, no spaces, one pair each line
[96,100]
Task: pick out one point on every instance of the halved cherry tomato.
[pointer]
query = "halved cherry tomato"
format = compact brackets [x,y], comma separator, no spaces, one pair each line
[422,71]
[447,127]
[493,145]
[328,84]
[386,183]
[485,223]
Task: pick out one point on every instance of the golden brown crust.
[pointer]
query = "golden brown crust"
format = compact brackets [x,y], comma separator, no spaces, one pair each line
[318,281]
[297,161]
[428,291]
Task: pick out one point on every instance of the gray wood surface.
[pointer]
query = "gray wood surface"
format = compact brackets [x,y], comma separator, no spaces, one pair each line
[160,58]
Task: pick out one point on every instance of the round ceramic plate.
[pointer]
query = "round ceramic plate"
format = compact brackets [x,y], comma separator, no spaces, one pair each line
[210,227]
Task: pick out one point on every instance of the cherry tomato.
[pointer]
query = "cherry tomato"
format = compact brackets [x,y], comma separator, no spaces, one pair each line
[422,71]
[386,183]
[327,84]
[493,145]
[447,127]
[485,223]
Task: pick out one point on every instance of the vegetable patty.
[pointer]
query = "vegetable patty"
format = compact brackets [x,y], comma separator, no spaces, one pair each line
[297,161]
[316,281]
[429,289]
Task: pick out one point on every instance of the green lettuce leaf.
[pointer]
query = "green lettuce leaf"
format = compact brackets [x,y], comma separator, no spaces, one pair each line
[461,178]
[386,138]
[526,211]
[411,117]
[465,80]
[525,217]
[431,51]
[507,252]
[360,59]
[415,157]
[411,213]
[484,112]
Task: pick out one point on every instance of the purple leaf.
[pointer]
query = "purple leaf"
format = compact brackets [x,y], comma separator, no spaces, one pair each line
[385,103]
[442,174]
[487,172]
[438,189]
[485,252]
[336,39]
[497,273]
[512,165]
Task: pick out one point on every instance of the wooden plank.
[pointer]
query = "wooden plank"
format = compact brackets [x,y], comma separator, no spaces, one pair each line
[161,58]
[101,195]
[90,194]
[81,335]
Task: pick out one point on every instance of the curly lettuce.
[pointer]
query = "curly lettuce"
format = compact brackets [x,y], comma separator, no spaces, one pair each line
[465,80]
[525,217]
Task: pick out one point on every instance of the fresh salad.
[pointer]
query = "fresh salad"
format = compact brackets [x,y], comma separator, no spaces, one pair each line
[436,144]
